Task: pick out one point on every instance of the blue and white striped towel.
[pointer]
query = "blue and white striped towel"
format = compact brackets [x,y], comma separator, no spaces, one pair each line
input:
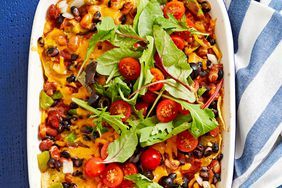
[257,32]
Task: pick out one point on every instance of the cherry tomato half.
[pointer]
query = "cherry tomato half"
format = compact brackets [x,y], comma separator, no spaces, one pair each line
[150,159]
[127,184]
[186,142]
[158,75]
[104,151]
[176,8]
[179,42]
[149,97]
[215,132]
[167,110]
[113,175]
[121,107]
[129,68]
[142,106]
[94,167]
[129,169]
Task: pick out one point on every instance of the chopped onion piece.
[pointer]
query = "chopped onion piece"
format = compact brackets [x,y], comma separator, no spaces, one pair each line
[77,3]
[199,179]
[63,6]
[206,184]
[67,166]
[68,15]
[212,58]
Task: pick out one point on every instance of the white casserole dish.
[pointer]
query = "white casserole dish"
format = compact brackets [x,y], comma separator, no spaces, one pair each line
[35,84]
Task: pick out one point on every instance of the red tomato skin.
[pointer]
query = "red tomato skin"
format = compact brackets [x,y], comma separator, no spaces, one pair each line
[186,141]
[104,151]
[167,110]
[181,110]
[129,68]
[94,167]
[150,159]
[215,132]
[158,75]
[142,106]
[113,175]
[121,107]
[53,12]
[179,42]
[126,184]
[129,169]
[149,97]
[195,166]
[176,8]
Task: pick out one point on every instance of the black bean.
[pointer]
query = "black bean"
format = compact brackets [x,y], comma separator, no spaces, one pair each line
[75,11]
[213,105]
[209,63]
[122,19]
[199,151]
[52,52]
[77,162]
[73,105]
[211,40]
[77,173]
[220,74]
[135,158]
[93,27]
[166,182]
[172,176]
[216,178]
[215,147]
[195,71]
[40,41]
[97,15]
[86,129]
[185,182]
[51,163]
[104,102]
[215,112]
[86,137]
[66,185]
[71,78]
[220,157]
[203,73]
[66,124]
[148,174]
[94,99]
[109,3]
[59,20]
[58,165]
[206,7]
[95,134]
[74,57]
[208,151]
[65,154]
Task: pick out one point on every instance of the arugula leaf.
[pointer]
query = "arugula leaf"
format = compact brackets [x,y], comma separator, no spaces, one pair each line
[113,120]
[146,19]
[179,91]
[173,60]
[162,131]
[108,62]
[141,4]
[142,181]
[203,119]
[125,36]
[114,86]
[122,148]
[168,51]
[172,25]
[45,101]
[105,31]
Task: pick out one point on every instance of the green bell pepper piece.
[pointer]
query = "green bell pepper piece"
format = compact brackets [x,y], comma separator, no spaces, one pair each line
[45,101]
[42,160]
